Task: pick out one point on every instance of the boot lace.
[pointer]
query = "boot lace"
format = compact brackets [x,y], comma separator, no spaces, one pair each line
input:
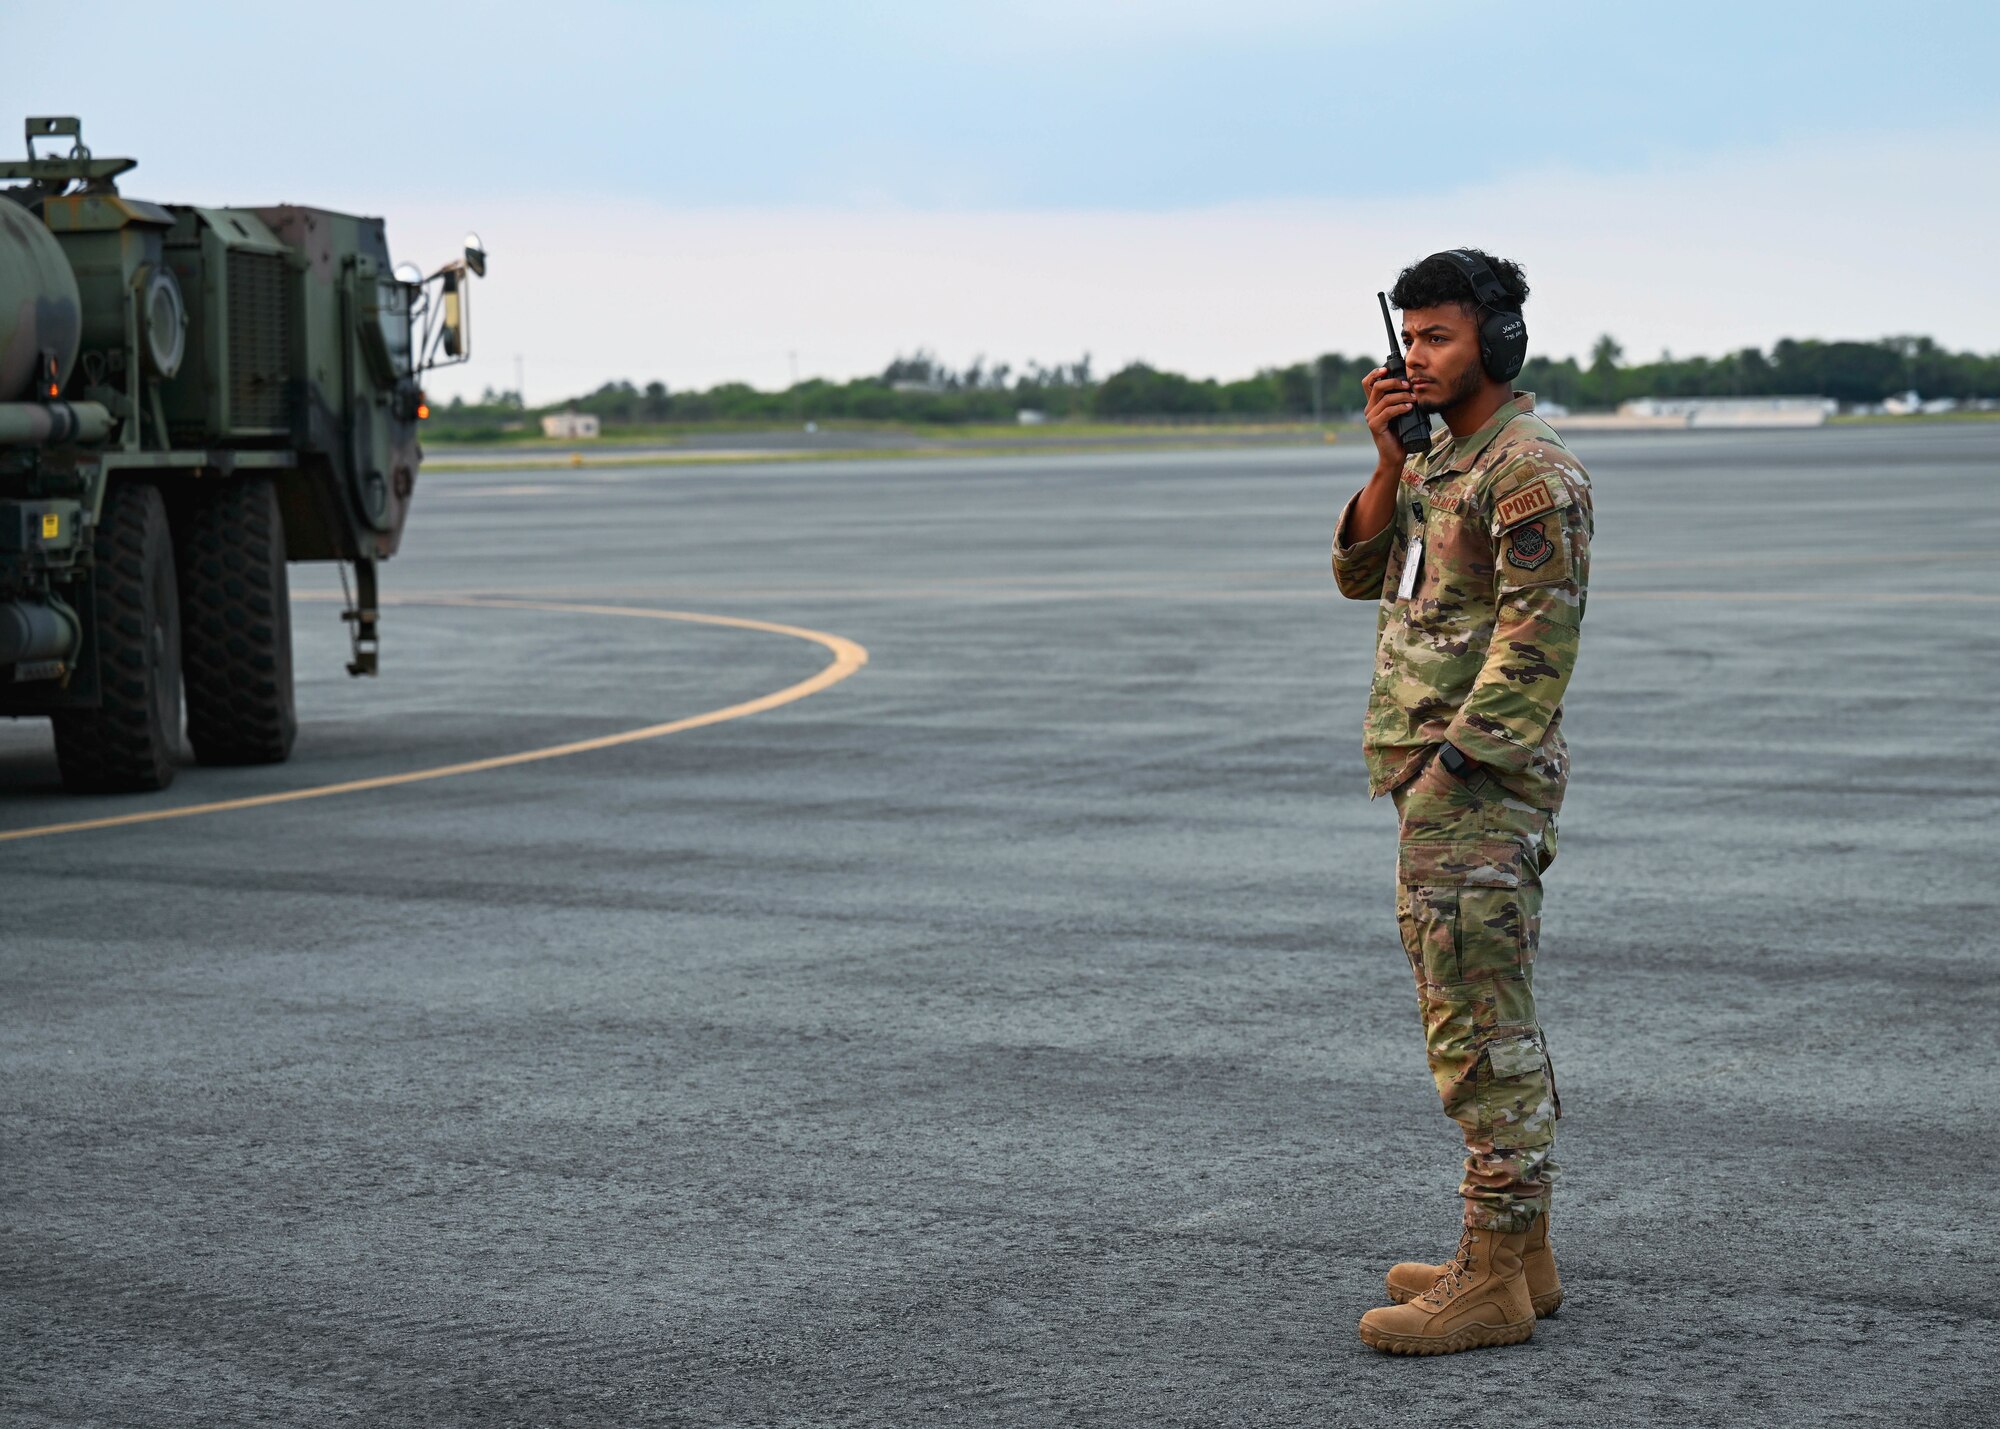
[1457,1271]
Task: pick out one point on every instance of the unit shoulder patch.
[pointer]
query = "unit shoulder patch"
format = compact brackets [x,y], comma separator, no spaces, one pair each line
[1529,546]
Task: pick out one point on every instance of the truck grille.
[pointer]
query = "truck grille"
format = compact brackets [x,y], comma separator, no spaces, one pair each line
[259,340]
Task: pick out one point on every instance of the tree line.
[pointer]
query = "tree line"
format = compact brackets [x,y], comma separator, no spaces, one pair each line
[1853,373]
[919,388]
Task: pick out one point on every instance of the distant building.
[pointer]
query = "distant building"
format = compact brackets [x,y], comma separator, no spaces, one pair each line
[1030,417]
[571,426]
[1915,404]
[1733,411]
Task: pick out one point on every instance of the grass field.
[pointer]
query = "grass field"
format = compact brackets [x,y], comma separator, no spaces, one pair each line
[668,434]
[625,446]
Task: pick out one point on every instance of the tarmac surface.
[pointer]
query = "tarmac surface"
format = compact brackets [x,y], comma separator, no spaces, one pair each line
[1015,1032]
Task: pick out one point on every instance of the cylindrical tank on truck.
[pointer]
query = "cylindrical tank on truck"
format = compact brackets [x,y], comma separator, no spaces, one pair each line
[189,398]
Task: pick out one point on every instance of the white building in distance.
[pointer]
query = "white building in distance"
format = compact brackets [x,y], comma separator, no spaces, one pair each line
[1734,411]
[571,426]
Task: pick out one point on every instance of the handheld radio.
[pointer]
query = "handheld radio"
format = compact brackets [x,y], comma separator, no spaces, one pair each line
[1413,428]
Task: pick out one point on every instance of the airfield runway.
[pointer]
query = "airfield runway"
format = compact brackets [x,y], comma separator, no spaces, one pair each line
[1012,1029]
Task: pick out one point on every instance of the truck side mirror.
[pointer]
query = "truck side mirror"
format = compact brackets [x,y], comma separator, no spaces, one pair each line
[457,333]
[475,255]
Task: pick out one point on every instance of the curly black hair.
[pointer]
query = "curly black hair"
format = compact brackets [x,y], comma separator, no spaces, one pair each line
[1436,280]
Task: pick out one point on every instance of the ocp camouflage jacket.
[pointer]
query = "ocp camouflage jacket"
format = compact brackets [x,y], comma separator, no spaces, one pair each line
[1482,650]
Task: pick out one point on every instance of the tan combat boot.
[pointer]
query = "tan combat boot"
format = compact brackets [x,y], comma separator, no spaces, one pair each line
[1538,1262]
[1480,1299]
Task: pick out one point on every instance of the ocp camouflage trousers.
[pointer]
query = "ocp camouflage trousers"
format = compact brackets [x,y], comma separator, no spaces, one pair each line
[1469,903]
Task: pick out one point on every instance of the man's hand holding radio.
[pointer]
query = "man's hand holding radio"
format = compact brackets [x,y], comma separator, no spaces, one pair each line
[1388,398]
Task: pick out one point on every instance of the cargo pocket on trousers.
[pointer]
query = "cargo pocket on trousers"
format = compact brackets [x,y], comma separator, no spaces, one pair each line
[1482,863]
[1516,1057]
[1513,1106]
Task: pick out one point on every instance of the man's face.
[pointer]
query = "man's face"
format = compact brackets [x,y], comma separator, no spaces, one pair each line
[1442,350]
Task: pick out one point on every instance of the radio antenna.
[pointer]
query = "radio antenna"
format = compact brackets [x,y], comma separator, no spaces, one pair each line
[1389,324]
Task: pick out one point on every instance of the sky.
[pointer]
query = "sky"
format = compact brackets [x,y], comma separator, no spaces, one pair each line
[699,192]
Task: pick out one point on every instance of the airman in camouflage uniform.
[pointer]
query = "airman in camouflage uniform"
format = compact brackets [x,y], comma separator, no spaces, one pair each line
[1478,657]
[1478,552]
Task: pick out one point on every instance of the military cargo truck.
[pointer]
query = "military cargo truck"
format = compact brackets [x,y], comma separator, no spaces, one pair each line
[189,398]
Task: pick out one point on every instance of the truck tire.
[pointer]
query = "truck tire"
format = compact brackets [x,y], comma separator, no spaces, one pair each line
[132,740]
[237,637]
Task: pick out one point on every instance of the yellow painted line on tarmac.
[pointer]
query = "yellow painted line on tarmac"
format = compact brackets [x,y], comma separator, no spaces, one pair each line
[848,657]
[521,488]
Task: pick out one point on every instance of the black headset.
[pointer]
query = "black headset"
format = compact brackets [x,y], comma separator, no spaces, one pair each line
[1503,334]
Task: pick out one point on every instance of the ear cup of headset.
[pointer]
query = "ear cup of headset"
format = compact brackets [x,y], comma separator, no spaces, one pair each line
[1503,345]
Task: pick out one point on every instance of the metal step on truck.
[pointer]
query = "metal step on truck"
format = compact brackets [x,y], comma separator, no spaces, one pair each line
[189,398]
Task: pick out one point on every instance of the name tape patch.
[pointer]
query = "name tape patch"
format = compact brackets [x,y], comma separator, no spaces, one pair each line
[1444,498]
[1447,498]
[1533,500]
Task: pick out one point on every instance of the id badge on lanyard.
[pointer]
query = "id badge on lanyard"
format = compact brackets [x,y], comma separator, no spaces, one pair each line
[1413,557]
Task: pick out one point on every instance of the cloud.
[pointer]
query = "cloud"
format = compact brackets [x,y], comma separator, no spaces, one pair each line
[1049,104]
[1803,240]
